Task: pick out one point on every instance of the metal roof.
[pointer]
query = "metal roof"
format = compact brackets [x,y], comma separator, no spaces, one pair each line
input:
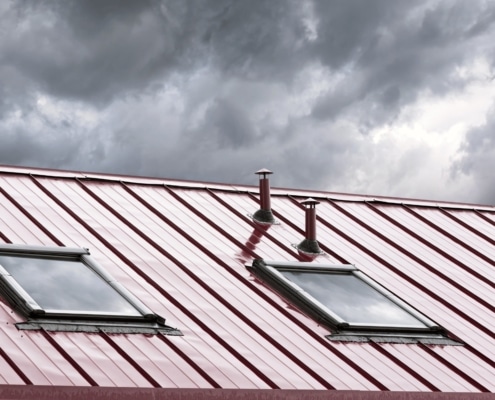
[182,249]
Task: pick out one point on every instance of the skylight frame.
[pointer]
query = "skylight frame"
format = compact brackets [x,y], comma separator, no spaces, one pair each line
[23,302]
[270,272]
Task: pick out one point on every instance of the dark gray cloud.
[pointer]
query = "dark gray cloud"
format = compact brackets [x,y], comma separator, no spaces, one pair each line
[90,50]
[214,90]
[94,50]
[394,52]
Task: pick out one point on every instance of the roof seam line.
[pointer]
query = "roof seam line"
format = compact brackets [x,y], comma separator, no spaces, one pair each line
[449,235]
[189,361]
[215,295]
[29,216]
[4,237]
[405,367]
[415,258]
[408,279]
[454,369]
[302,326]
[129,359]
[432,246]
[68,358]
[234,352]
[484,217]
[254,225]
[209,222]
[15,367]
[466,226]
[153,284]
[481,355]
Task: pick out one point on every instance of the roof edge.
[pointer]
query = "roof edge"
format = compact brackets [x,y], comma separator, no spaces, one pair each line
[29,392]
[225,187]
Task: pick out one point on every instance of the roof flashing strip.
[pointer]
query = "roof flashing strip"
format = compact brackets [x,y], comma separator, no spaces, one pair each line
[88,326]
[395,339]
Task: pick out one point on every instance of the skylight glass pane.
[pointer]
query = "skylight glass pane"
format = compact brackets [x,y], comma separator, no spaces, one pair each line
[66,285]
[352,299]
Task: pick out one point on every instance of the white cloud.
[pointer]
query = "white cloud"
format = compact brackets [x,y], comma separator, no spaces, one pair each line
[424,141]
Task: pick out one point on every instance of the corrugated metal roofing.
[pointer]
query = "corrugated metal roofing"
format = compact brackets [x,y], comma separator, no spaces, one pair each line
[182,249]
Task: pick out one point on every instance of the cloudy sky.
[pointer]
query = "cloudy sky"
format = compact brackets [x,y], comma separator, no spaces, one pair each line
[381,97]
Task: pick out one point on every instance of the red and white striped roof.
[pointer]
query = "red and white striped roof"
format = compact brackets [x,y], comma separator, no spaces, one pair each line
[182,249]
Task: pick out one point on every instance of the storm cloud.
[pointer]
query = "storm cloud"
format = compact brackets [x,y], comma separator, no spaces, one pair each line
[386,97]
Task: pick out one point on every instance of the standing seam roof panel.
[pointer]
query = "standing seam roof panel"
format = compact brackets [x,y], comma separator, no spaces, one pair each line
[172,246]
[7,374]
[379,246]
[416,243]
[231,224]
[470,364]
[421,386]
[390,285]
[434,237]
[219,327]
[39,369]
[477,221]
[191,269]
[262,386]
[233,299]
[468,238]
[394,377]
[441,377]
[415,270]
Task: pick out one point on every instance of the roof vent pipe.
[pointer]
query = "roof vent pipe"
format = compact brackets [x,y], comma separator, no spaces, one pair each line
[264,214]
[310,244]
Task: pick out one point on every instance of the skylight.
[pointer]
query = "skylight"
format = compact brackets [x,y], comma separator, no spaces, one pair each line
[61,286]
[347,301]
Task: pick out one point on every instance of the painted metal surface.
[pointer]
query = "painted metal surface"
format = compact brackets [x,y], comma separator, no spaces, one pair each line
[106,393]
[182,249]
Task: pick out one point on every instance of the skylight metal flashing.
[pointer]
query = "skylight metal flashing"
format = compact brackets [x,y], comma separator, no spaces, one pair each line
[96,326]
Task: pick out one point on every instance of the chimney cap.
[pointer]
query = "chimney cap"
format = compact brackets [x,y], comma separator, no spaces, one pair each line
[263,171]
[310,201]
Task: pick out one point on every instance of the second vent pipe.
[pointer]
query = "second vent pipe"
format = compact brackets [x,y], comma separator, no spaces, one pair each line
[310,244]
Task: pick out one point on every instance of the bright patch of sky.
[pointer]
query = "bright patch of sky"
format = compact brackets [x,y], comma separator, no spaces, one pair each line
[433,128]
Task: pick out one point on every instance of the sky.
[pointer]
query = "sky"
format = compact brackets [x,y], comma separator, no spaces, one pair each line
[377,97]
